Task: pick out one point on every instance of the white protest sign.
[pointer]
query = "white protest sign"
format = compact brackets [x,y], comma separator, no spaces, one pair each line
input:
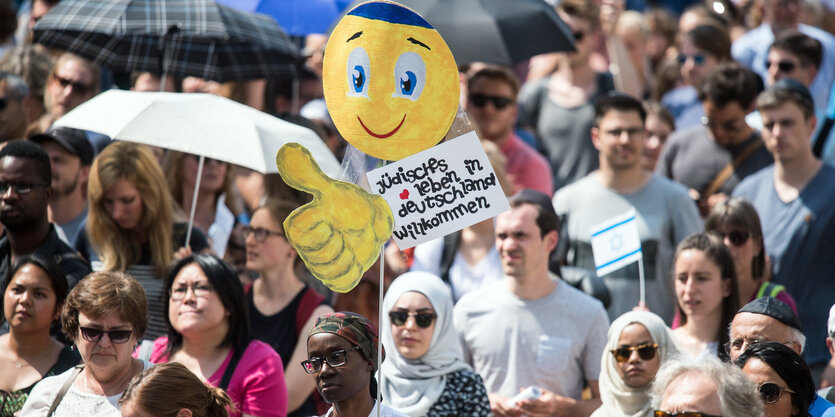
[439,191]
[616,243]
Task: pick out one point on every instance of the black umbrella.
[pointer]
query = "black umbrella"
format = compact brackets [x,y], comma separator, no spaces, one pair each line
[503,32]
[173,37]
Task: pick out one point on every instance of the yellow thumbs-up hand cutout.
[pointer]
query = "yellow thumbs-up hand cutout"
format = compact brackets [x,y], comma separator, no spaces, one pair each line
[339,234]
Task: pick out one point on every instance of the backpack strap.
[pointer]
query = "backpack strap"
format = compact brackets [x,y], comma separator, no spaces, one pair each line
[451,243]
[64,388]
[310,300]
[823,134]
[230,369]
[769,289]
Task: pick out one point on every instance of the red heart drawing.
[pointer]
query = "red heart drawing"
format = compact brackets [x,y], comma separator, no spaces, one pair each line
[404,195]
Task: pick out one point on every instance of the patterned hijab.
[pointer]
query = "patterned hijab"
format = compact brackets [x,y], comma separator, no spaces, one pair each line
[354,328]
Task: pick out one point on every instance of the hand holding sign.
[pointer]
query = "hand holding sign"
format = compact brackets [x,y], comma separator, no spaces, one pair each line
[339,234]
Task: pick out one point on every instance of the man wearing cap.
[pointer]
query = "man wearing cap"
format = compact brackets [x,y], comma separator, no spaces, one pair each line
[768,319]
[531,328]
[664,212]
[70,155]
[796,205]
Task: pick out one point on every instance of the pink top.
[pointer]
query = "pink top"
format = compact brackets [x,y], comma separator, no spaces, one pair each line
[257,386]
[526,167]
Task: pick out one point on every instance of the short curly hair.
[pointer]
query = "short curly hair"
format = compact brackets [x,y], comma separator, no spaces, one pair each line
[102,293]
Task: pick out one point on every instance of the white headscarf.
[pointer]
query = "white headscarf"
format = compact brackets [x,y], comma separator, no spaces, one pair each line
[412,386]
[619,399]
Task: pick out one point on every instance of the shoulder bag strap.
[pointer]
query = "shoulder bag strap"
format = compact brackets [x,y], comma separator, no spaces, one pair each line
[726,172]
[451,243]
[823,134]
[64,388]
[230,369]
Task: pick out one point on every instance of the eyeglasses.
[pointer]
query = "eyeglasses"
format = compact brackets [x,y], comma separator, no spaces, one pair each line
[578,36]
[334,360]
[661,413]
[499,102]
[726,125]
[645,352]
[77,87]
[93,335]
[698,59]
[200,290]
[771,392]
[21,188]
[737,237]
[260,233]
[423,320]
[782,66]
[630,132]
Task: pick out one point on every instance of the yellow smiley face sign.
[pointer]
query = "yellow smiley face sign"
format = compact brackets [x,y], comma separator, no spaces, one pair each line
[390,80]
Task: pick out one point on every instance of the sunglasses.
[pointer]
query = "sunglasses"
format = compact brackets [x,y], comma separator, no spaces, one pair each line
[698,59]
[423,320]
[782,66]
[578,36]
[727,125]
[116,336]
[645,352]
[661,413]
[771,392]
[737,237]
[77,87]
[20,189]
[499,102]
[334,360]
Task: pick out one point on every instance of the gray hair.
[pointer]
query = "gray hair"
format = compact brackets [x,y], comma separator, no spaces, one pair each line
[798,337]
[737,395]
[15,85]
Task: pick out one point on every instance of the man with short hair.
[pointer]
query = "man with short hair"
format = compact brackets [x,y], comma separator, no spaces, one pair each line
[25,192]
[73,80]
[549,334]
[14,98]
[768,319]
[793,55]
[796,205]
[665,213]
[70,155]
[491,104]
[706,386]
[711,159]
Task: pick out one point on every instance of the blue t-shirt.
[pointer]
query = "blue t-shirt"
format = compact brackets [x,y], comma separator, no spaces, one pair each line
[821,408]
[799,239]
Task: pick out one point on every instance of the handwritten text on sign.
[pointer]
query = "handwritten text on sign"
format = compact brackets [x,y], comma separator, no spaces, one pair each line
[439,191]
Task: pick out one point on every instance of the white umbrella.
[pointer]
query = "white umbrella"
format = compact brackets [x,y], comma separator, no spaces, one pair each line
[200,124]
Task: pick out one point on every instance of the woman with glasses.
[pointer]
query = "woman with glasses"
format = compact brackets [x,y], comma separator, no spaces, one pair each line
[737,222]
[425,374]
[281,306]
[209,334]
[130,225]
[782,377]
[638,344]
[105,316]
[32,302]
[706,293]
[342,357]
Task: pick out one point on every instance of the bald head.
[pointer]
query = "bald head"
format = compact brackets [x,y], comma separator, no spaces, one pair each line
[750,328]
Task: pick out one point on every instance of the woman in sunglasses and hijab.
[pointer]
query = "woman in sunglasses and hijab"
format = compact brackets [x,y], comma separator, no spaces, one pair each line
[425,374]
[104,315]
[638,344]
[342,357]
[782,377]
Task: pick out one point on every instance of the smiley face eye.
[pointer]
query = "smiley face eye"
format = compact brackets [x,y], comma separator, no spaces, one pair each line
[358,71]
[409,76]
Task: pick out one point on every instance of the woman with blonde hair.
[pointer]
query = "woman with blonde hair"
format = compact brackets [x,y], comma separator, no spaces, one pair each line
[130,226]
[171,390]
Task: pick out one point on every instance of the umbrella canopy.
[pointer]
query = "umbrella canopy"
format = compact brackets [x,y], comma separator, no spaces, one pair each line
[173,37]
[199,124]
[296,17]
[503,32]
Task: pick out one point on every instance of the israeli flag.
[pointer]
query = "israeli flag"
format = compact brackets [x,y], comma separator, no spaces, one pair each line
[616,243]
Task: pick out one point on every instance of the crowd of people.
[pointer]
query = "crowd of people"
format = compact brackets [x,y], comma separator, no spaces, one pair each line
[710,121]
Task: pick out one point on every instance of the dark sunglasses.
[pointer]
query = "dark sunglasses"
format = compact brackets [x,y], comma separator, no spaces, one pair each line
[423,320]
[661,413]
[76,87]
[645,352]
[578,36]
[782,66]
[771,392]
[334,360]
[116,336]
[737,237]
[499,102]
[726,125]
[20,189]
[698,59]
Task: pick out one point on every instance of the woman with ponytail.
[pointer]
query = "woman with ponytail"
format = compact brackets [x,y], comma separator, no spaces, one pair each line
[171,390]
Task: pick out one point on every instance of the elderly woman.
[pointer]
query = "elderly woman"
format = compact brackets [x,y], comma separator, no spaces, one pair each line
[105,315]
[782,377]
[425,374]
[209,334]
[171,390]
[638,344]
[342,357]
[32,301]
